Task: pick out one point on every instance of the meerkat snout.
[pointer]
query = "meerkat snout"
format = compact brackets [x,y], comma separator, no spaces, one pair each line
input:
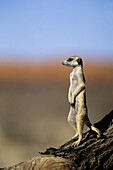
[62,63]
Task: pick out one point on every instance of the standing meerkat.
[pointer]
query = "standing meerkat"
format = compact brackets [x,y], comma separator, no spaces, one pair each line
[77,98]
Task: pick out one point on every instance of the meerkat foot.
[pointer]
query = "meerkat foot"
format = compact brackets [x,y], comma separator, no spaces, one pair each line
[76,143]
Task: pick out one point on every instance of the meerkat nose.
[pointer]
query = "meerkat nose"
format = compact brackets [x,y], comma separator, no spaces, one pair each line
[63,63]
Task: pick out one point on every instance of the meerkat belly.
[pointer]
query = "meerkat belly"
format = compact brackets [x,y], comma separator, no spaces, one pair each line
[73,85]
[80,102]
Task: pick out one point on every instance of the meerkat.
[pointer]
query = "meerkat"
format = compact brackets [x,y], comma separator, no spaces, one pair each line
[78,114]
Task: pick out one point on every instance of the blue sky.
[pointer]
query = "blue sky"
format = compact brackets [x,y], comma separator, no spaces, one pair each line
[33,29]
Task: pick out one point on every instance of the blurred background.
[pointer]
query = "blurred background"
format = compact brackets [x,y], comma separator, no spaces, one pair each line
[35,37]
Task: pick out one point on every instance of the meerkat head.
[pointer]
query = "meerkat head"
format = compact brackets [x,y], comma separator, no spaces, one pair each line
[73,61]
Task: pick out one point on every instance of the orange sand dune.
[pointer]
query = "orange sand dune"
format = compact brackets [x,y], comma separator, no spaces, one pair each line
[34,74]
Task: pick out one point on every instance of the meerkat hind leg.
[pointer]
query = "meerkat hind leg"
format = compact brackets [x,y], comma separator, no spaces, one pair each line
[80,125]
[72,121]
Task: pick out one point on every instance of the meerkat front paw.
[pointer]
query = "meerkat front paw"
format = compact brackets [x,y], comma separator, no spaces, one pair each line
[72,101]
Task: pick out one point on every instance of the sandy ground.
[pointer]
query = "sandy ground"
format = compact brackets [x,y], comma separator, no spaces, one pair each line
[33,112]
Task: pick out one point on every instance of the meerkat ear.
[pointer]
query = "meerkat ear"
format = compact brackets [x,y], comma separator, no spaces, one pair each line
[79,60]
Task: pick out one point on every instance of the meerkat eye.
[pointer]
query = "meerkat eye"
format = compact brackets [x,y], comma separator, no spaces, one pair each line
[70,59]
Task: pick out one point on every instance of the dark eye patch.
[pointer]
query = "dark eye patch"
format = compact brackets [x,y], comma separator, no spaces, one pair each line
[70,59]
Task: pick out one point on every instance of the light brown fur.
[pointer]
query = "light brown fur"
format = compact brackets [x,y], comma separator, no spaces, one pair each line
[77,98]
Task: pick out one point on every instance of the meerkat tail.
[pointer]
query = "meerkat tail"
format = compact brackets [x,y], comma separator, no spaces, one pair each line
[92,127]
[96,130]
